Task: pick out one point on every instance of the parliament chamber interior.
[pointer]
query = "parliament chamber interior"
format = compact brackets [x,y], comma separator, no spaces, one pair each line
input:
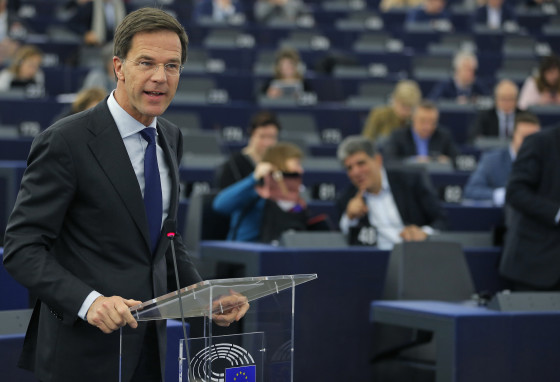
[353,53]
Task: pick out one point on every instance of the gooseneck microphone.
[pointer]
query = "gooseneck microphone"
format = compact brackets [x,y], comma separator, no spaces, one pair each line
[170,229]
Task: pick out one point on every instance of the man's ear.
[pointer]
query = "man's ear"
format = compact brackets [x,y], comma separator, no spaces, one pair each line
[118,66]
[378,159]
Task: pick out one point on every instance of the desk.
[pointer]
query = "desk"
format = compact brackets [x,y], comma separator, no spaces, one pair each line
[477,344]
[11,345]
[332,340]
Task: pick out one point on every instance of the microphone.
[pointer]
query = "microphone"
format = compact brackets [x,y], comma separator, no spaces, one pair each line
[169,226]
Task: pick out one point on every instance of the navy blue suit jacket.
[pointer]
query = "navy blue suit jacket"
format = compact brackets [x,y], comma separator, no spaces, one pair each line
[447,89]
[401,145]
[492,172]
[205,8]
[481,15]
[78,225]
[532,248]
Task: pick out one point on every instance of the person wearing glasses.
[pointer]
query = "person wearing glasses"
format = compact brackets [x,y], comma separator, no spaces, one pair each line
[88,233]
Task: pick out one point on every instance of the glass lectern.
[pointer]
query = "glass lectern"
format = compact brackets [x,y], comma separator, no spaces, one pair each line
[262,351]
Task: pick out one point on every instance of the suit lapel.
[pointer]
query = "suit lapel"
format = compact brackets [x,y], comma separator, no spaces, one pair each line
[108,148]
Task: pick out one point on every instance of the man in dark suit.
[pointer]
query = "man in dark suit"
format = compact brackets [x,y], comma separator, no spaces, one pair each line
[532,245]
[499,120]
[423,141]
[384,206]
[463,87]
[83,236]
[217,10]
[494,14]
[489,180]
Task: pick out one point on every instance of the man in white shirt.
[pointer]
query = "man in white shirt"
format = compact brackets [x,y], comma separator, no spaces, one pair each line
[385,206]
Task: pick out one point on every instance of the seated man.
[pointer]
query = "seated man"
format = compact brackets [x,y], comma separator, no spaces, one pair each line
[218,10]
[422,141]
[499,120]
[489,180]
[494,14]
[383,207]
[463,87]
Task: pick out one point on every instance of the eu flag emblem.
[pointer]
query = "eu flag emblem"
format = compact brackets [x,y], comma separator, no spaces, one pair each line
[241,374]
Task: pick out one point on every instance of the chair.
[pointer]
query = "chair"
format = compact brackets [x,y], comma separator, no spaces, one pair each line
[203,223]
[373,42]
[197,61]
[428,270]
[193,89]
[466,239]
[432,67]
[310,239]
[519,46]
[229,38]
[190,121]
[517,69]
[450,44]
[359,21]
[299,128]
[201,143]
[306,40]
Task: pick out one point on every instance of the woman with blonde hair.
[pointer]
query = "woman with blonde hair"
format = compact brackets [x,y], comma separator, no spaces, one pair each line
[24,70]
[384,119]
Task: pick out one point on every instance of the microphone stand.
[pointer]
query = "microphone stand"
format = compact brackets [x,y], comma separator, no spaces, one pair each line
[171,236]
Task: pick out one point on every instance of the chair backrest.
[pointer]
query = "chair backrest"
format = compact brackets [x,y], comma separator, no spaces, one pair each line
[184,119]
[203,223]
[203,143]
[428,270]
[465,239]
[311,239]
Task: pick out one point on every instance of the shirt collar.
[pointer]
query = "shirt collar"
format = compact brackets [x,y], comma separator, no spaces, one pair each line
[384,183]
[126,124]
[417,138]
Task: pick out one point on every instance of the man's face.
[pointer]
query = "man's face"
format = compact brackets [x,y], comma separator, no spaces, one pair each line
[29,67]
[434,6]
[496,4]
[506,98]
[263,137]
[523,130]
[424,122]
[465,72]
[403,111]
[364,171]
[147,94]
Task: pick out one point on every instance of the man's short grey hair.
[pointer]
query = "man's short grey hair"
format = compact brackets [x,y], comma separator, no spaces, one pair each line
[354,144]
[464,55]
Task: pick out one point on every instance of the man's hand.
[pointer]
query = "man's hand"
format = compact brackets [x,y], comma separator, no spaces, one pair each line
[229,308]
[111,313]
[357,206]
[413,233]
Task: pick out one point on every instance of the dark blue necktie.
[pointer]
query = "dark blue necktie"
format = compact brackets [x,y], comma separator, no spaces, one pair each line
[152,187]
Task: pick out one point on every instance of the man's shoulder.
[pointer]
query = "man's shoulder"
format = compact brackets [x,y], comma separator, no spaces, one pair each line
[494,156]
[401,133]
[549,136]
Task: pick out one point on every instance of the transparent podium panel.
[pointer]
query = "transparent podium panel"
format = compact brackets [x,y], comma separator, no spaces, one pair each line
[261,350]
[196,298]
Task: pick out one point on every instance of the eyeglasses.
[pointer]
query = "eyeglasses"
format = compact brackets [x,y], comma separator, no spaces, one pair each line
[147,66]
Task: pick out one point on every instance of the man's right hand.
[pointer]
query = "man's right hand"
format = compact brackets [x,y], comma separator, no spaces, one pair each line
[111,313]
[357,207]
